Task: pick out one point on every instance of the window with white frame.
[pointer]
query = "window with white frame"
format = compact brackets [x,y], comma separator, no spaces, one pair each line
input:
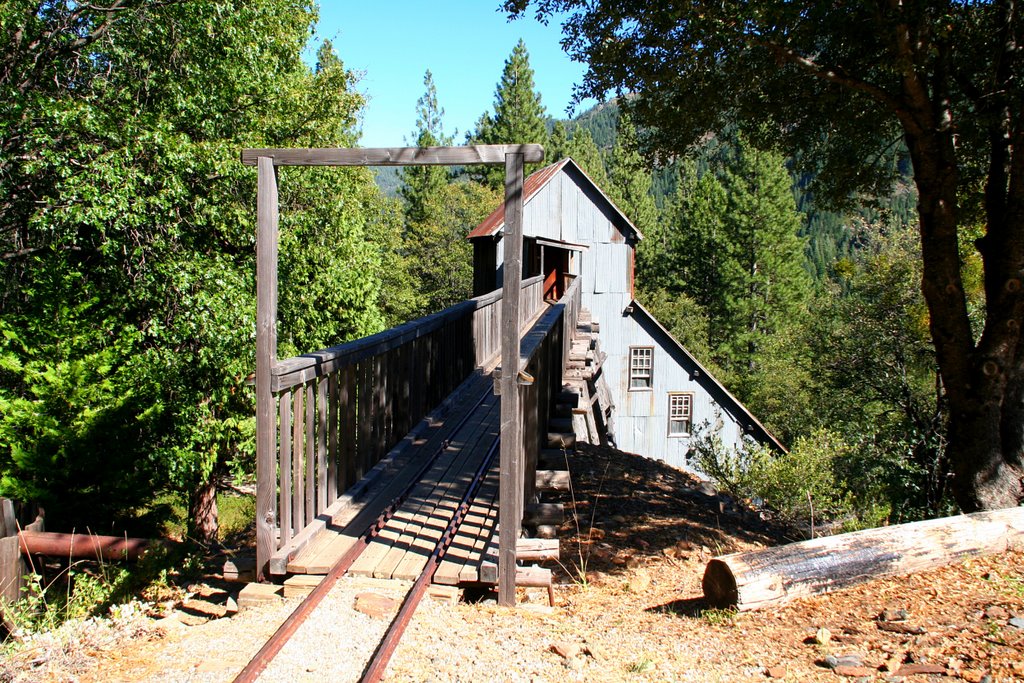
[680,414]
[641,367]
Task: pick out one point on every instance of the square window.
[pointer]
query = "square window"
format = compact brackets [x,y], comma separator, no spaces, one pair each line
[680,414]
[641,367]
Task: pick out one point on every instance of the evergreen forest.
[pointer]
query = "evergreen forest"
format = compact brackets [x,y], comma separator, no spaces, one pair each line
[127,231]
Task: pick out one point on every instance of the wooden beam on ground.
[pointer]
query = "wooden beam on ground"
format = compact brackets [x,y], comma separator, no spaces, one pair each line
[552,480]
[537,549]
[777,575]
[511,467]
[535,514]
[82,546]
[395,156]
[266,356]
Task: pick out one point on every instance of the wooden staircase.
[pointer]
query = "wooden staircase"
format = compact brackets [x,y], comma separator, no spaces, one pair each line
[591,413]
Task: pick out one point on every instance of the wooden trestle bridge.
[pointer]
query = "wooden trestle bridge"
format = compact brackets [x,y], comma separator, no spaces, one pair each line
[341,432]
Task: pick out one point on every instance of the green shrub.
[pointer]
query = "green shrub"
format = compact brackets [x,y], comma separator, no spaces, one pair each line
[801,487]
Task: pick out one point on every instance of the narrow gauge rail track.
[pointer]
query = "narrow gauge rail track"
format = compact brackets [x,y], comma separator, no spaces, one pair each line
[374,669]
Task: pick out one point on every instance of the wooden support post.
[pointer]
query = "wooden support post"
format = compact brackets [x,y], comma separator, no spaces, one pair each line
[266,356]
[511,479]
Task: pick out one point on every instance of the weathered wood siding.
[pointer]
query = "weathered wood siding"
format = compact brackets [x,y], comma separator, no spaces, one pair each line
[641,416]
[569,209]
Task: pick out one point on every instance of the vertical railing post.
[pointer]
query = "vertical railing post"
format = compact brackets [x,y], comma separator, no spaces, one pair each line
[511,468]
[266,357]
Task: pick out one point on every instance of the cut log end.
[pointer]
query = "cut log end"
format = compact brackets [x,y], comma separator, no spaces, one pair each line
[719,585]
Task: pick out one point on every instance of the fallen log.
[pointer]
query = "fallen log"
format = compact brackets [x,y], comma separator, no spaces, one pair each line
[773,576]
[82,546]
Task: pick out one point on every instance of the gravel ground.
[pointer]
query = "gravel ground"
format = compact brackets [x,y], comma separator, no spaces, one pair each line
[628,608]
[333,643]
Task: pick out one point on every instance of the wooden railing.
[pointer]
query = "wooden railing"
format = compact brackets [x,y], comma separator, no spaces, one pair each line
[340,410]
[544,353]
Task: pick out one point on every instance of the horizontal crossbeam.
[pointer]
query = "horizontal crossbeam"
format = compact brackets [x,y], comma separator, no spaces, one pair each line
[395,156]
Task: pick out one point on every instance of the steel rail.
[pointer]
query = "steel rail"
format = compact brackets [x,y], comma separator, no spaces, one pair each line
[375,669]
[287,629]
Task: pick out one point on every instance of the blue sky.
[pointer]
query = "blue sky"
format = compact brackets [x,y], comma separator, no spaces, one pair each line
[463,43]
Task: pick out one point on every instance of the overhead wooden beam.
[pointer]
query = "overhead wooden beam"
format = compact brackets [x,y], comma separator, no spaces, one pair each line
[395,156]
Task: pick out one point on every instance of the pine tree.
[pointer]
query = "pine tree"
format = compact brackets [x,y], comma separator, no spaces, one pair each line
[766,284]
[518,117]
[422,182]
[630,186]
[557,147]
[584,152]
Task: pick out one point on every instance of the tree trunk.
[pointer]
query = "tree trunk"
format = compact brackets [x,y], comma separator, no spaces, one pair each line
[983,381]
[985,475]
[203,512]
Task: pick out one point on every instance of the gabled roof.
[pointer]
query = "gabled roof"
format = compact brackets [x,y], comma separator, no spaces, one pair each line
[758,430]
[493,224]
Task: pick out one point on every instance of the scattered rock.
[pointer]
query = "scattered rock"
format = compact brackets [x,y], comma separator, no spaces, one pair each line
[822,636]
[996,613]
[375,605]
[853,671]
[565,650]
[894,615]
[1016,622]
[638,582]
[914,669]
[850,661]
[204,609]
[892,664]
[707,488]
[972,675]
[596,652]
[898,627]
[776,672]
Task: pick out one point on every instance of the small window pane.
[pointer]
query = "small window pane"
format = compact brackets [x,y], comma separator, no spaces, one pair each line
[680,414]
[641,366]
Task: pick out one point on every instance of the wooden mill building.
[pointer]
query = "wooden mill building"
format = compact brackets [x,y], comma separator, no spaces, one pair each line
[659,396]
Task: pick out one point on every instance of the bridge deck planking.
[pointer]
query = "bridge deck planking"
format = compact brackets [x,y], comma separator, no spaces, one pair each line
[432,503]
[436,498]
[427,537]
[465,552]
[470,570]
[391,534]
[324,551]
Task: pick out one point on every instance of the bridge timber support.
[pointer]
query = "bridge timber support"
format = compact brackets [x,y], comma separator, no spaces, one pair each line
[325,420]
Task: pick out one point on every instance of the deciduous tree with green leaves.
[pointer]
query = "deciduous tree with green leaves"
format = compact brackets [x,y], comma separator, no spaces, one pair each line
[127,241]
[843,83]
